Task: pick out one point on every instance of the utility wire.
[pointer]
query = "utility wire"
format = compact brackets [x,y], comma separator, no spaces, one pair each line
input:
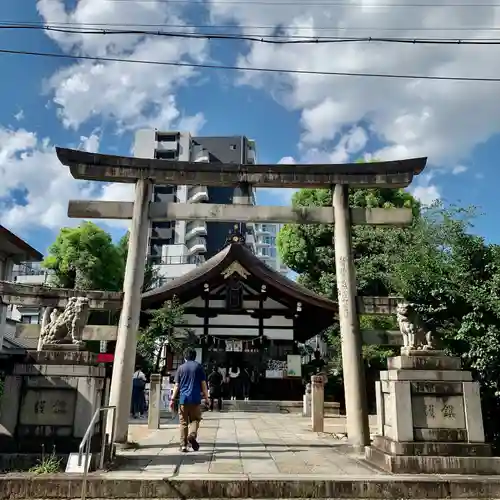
[261,70]
[270,39]
[359,4]
[242,26]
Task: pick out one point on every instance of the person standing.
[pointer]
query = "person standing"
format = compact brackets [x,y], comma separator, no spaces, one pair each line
[245,383]
[234,378]
[138,396]
[190,383]
[215,388]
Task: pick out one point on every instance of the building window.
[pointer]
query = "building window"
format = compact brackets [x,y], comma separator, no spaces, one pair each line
[166,155]
[232,147]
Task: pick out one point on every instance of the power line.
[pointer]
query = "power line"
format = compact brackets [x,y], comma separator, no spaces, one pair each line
[350,4]
[243,26]
[269,39]
[261,70]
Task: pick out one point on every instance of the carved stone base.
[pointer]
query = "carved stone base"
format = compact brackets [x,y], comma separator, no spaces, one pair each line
[432,464]
[429,418]
[49,401]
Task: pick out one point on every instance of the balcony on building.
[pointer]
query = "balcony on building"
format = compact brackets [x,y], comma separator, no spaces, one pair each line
[31,273]
[176,260]
[196,245]
[251,157]
[195,228]
[167,146]
[197,194]
[265,229]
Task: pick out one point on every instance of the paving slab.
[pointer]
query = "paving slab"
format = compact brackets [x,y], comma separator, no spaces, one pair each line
[244,443]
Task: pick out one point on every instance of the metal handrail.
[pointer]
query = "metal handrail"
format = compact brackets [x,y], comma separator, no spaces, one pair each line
[84,447]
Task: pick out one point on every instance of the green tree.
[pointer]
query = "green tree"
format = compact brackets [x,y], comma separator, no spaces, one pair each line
[454,278]
[308,249]
[85,258]
[165,329]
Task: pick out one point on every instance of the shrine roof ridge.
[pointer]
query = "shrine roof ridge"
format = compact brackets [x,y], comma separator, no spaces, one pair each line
[237,252]
[111,168]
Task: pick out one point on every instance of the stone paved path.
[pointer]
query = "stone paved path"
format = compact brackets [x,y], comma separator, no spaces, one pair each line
[244,443]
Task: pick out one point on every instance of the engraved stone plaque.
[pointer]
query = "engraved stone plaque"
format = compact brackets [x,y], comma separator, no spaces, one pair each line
[438,412]
[51,407]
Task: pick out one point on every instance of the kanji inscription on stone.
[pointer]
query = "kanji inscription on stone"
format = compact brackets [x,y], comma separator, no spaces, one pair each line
[430,411]
[438,412]
[51,407]
[448,411]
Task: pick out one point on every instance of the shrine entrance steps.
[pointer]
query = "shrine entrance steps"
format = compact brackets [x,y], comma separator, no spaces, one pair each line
[252,406]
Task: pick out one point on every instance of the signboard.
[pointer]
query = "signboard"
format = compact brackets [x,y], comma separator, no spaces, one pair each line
[105,358]
[294,365]
[52,407]
[234,345]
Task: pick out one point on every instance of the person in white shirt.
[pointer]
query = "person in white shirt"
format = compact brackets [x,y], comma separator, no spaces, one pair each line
[234,374]
[138,396]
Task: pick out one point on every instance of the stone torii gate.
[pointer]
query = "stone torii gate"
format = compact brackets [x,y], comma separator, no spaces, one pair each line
[146,172]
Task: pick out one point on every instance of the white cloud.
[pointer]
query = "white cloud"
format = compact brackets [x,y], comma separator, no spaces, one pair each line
[287,160]
[90,143]
[29,165]
[459,169]
[427,195]
[424,190]
[129,95]
[19,115]
[440,119]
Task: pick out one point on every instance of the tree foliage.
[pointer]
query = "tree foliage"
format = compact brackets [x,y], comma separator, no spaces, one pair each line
[308,249]
[85,258]
[452,275]
[165,329]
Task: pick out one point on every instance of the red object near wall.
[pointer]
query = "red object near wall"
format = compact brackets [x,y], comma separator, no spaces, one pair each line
[105,358]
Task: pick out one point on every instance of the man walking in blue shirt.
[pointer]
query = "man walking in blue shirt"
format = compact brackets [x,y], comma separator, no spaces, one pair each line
[190,382]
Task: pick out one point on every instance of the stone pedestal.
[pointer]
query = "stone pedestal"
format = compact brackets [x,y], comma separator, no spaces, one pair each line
[49,400]
[317,402]
[429,418]
[154,401]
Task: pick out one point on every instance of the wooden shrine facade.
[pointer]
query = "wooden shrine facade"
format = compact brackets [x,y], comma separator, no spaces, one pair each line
[246,314]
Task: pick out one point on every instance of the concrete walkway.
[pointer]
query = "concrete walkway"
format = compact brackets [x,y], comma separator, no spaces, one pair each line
[245,444]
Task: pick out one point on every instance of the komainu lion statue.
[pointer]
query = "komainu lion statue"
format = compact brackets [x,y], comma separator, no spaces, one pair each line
[66,327]
[415,334]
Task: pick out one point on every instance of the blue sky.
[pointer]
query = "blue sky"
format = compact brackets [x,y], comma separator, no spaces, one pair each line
[98,106]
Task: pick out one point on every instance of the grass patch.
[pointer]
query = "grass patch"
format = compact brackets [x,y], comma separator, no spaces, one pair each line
[47,465]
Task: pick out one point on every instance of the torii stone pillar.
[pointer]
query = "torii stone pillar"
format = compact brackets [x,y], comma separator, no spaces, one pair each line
[126,342]
[352,363]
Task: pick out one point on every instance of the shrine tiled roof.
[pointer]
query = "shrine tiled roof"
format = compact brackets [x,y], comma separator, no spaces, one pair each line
[237,252]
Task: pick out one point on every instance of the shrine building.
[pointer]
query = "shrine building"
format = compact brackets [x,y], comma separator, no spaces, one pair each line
[248,315]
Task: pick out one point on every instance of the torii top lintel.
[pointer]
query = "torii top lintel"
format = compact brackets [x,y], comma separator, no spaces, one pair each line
[109,168]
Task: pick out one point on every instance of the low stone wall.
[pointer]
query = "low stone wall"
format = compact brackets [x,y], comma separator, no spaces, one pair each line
[29,486]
